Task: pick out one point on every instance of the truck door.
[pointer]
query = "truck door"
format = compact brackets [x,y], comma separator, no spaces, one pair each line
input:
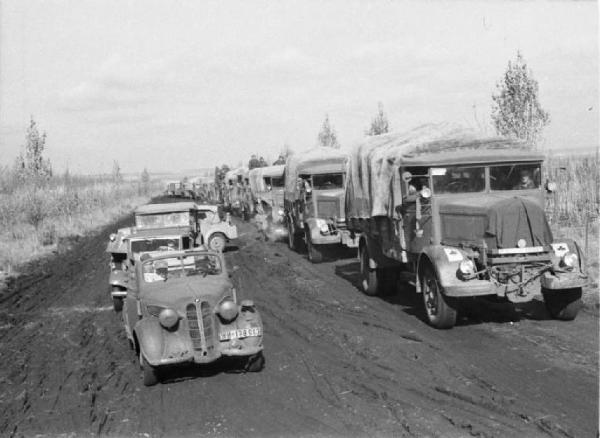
[416,210]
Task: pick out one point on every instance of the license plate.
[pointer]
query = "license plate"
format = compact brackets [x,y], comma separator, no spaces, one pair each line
[240,333]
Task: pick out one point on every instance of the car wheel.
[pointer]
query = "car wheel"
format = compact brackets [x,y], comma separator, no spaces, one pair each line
[370,284]
[439,312]
[562,304]
[117,304]
[150,372]
[315,255]
[255,363]
[217,242]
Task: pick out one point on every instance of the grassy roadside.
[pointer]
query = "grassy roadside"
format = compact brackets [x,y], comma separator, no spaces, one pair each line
[38,220]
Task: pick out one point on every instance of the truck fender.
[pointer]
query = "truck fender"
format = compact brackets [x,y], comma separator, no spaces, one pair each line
[310,225]
[445,261]
[150,338]
[376,257]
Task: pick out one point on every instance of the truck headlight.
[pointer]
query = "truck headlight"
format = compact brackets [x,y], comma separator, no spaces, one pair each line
[570,260]
[168,318]
[322,226]
[228,310]
[466,268]
[280,212]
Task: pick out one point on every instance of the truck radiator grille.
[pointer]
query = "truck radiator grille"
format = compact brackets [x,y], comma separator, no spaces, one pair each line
[328,208]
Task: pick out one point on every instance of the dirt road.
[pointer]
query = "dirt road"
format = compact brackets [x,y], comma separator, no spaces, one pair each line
[339,363]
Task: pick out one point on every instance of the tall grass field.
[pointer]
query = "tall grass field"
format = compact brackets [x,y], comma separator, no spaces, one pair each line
[36,219]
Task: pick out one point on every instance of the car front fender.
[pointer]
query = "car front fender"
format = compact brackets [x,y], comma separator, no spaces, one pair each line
[150,336]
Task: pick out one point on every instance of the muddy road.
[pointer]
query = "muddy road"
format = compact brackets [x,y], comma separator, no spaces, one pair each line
[339,363]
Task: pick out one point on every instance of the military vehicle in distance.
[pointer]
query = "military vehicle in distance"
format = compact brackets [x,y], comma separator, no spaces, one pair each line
[458,215]
[314,201]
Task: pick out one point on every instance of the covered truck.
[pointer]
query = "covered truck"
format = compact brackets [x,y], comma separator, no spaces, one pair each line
[314,200]
[458,214]
[238,198]
[266,186]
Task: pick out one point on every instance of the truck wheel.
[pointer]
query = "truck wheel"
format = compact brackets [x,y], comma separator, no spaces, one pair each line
[439,312]
[150,372]
[315,255]
[255,363]
[217,242]
[291,237]
[369,278]
[562,304]
[117,304]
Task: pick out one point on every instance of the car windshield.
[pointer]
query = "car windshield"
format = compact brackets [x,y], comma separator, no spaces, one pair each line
[328,181]
[184,266]
[155,244]
[207,215]
[457,179]
[515,177]
[163,220]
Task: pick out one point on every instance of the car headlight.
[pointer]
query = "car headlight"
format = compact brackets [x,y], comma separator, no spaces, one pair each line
[570,260]
[168,318]
[466,268]
[228,310]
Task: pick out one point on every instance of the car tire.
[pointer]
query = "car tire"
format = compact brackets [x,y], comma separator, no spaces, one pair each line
[217,242]
[315,255]
[438,309]
[369,277]
[563,304]
[255,363]
[150,372]
[117,304]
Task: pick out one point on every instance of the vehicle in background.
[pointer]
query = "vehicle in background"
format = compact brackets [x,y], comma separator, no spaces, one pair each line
[182,308]
[176,216]
[216,230]
[173,188]
[314,201]
[119,275]
[267,186]
[458,215]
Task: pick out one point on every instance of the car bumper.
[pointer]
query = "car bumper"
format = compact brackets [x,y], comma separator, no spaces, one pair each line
[198,358]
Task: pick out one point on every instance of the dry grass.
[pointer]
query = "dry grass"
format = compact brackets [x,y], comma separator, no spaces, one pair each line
[36,220]
[574,208]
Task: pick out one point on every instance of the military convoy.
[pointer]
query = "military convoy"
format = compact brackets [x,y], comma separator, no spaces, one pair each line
[451,212]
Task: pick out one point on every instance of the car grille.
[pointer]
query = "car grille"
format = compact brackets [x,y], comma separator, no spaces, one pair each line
[200,327]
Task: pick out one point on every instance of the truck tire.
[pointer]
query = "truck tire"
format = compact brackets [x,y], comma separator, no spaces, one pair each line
[315,255]
[562,304]
[438,310]
[369,280]
[292,243]
[117,304]
[217,242]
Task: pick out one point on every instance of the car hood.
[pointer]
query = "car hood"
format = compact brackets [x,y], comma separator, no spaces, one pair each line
[177,292]
[501,220]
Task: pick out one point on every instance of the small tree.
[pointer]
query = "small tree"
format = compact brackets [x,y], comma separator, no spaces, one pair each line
[145,180]
[379,123]
[327,136]
[117,177]
[32,165]
[516,110]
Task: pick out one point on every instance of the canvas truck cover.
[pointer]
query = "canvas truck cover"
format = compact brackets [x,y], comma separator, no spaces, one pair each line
[312,161]
[257,175]
[373,181]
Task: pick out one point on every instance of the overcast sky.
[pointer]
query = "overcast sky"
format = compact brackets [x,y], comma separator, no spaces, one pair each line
[174,85]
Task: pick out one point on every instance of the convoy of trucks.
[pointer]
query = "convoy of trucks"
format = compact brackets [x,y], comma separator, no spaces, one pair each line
[452,212]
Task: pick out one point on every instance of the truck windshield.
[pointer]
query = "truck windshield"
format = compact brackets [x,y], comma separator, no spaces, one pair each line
[277,182]
[458,179]
[515,177]
[328,181]
[149,245]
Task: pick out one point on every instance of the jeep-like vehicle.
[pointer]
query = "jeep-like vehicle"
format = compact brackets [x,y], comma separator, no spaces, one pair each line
[182,308]
[314,201]
[267,185]
[458,215]
[118,276]
[180,216]
[215,230]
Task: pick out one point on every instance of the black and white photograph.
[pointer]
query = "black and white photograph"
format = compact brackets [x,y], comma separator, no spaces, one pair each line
[299,218]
